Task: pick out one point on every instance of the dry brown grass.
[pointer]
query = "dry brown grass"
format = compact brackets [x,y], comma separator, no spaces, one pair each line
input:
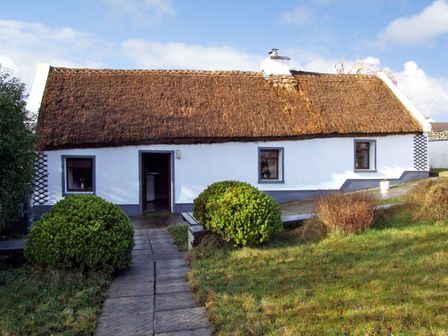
[311,231]
[430,199]
[346,213]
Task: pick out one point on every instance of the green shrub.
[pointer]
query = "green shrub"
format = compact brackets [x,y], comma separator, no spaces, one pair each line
[82,231]
[242,214]
[200,202]
[429,199]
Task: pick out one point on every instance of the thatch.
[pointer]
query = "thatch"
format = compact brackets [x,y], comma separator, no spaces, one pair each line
[438,136]
[96,108]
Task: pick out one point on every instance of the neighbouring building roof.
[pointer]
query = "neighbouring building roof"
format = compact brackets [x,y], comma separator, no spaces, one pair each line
[98,108]
[439,126]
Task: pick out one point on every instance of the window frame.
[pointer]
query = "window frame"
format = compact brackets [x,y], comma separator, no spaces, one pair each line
[372,156]
[281,165]
[66,192]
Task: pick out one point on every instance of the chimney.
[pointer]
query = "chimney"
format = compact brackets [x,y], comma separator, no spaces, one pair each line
[275,64]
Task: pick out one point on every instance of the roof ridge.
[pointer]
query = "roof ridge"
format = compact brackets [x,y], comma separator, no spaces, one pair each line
[65,70]
[295,73]
[301,73]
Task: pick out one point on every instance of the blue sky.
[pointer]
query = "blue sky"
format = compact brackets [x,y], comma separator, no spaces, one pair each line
[408,38]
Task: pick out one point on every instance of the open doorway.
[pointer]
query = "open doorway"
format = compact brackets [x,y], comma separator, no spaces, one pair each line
[156,181]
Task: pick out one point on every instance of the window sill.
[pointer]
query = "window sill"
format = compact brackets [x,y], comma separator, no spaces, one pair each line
[67,193]
[270,181]
[365,171]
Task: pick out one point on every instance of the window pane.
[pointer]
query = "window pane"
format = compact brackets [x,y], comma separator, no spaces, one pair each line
[269,164]
[362,155]
[79,174]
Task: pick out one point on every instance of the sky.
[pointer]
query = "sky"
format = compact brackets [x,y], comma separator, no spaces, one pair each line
[406,38]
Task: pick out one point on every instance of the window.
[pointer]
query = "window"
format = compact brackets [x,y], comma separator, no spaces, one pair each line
[364,155]
[270,164]
[79,174]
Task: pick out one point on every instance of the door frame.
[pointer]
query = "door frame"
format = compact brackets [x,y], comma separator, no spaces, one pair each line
[141,177]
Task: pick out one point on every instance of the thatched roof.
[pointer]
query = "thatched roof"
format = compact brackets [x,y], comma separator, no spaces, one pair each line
[96,108]
[438,136]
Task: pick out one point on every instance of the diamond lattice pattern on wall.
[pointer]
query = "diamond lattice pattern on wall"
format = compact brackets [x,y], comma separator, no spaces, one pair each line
[421,152]
[40,194]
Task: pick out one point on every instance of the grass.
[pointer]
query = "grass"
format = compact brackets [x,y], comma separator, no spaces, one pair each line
[398,199]
[390,280]
[179,232]
[41,302]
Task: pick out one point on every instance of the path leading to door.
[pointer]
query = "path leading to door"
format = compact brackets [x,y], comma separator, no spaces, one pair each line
[152,297]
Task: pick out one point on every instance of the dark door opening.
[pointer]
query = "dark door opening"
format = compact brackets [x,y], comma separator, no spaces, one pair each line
[156,181]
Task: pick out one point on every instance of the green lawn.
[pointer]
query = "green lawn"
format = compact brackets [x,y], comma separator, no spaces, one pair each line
[38,302]
[179,232]
[398,199]
[392,280]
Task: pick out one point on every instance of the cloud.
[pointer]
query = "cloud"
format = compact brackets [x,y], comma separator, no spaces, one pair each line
[430,95]
[143,11]
[24,44]
[297,16]
[419,29]
[149,54]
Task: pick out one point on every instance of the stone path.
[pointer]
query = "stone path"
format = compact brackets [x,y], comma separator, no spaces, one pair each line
[152,296]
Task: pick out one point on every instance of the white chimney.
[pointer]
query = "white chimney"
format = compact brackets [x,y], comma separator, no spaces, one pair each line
[275,64]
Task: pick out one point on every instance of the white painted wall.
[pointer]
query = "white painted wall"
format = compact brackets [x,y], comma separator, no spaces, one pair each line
[438,154]
[309,165]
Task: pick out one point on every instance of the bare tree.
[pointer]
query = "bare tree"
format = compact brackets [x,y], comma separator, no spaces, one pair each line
[363,67]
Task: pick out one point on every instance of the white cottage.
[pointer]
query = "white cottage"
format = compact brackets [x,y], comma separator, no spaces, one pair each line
[154,139]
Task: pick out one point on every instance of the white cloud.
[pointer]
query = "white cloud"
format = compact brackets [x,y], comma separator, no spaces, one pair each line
[418,29]
[24,44]
[430,95]
[154,55]
[143,11]
[297,16]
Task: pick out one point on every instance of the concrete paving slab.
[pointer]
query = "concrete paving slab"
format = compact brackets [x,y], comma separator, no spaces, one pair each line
[170,301]
[194,332]
[125,289]
[131,325]
[180,320]
[124,306]
[171,286]
[170,274]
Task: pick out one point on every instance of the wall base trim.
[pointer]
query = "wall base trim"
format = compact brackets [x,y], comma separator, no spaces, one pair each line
[281,196]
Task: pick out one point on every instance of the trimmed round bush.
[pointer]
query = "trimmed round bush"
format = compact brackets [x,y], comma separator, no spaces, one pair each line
[200,202]
[429,200]
[83,232]
[242,214]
